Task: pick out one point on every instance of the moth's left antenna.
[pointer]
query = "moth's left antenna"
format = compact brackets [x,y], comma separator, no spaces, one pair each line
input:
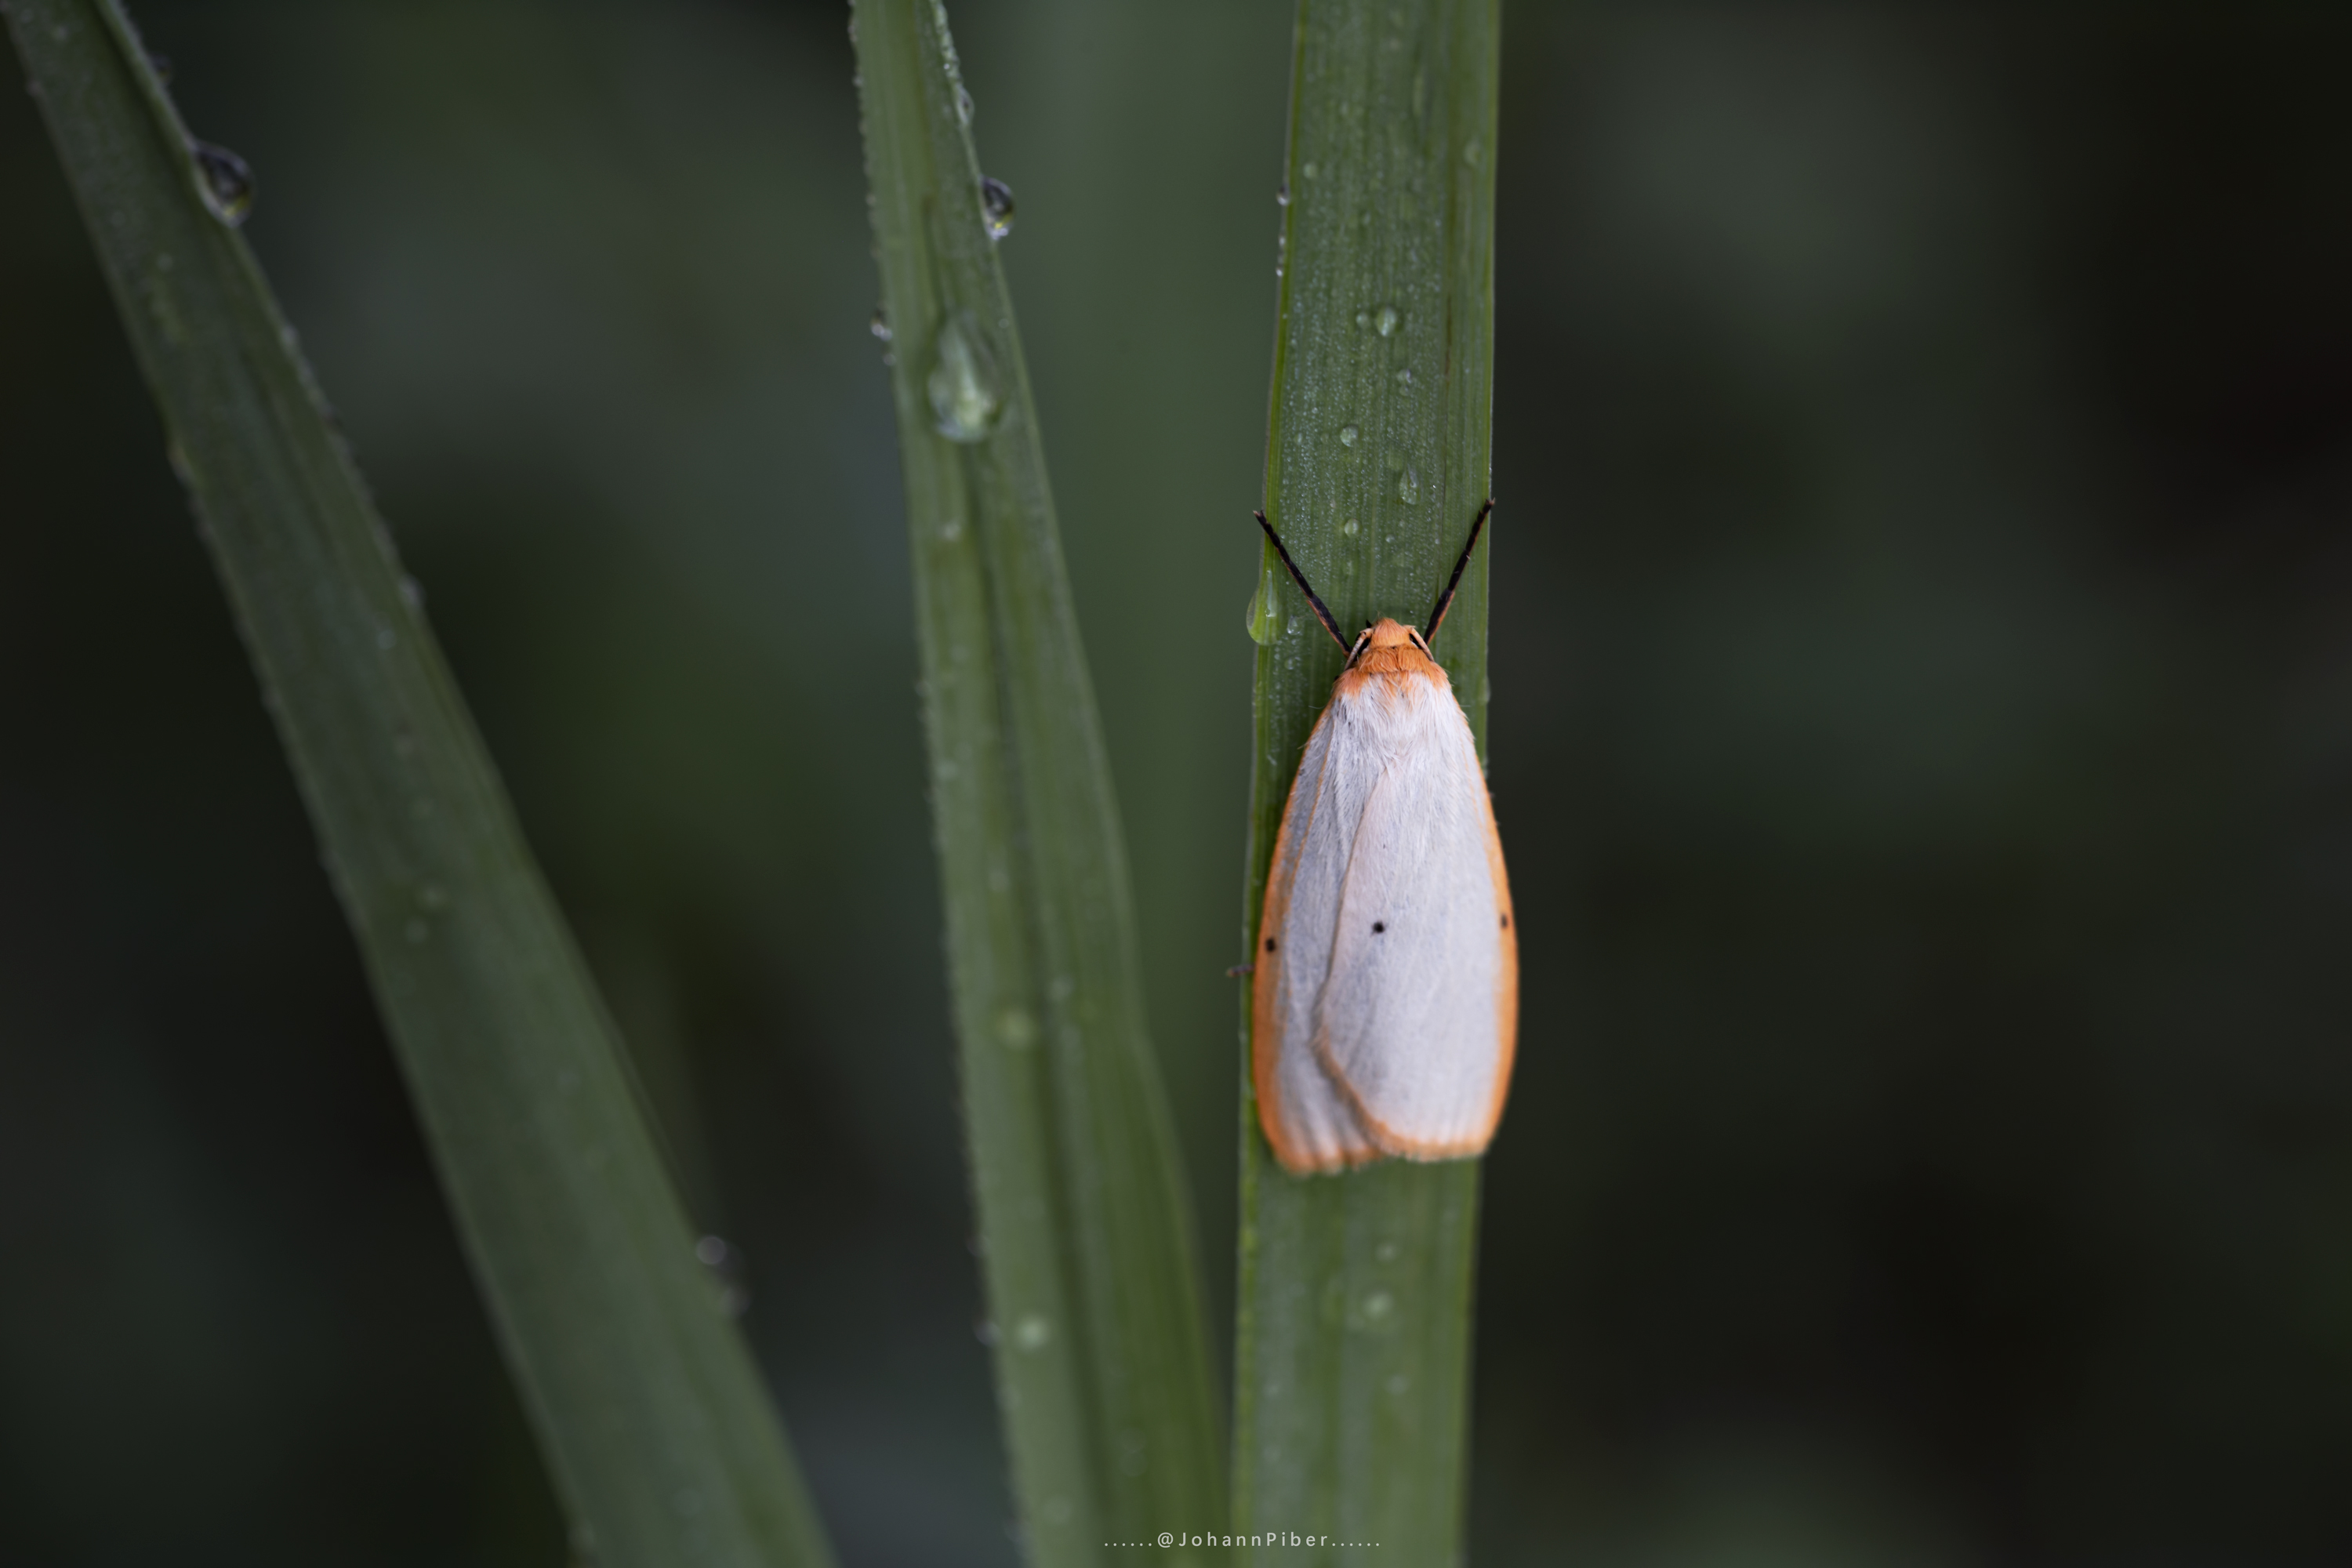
[1321,614]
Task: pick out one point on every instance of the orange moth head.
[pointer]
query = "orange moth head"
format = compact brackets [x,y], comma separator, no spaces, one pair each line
[1388,649]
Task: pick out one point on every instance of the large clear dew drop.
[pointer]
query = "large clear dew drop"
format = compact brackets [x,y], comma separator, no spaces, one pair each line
[966,391]
[1263,623]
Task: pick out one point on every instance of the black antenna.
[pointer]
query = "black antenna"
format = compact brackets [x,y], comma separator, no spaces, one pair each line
[1321,614]
[1445,600]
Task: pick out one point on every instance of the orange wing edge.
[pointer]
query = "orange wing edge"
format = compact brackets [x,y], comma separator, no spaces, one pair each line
[1265,1031]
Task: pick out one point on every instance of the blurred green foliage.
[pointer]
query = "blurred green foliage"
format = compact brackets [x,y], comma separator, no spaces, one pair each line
[1087,1233]
[615,1315]
[1922,731]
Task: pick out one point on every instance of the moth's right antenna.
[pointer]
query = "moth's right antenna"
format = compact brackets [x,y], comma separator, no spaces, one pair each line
[1445,600]
[1321,614]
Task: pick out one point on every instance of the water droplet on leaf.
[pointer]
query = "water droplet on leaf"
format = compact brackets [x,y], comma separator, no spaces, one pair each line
[225,181]
[1282,195]
[880,325]
[1347,435]
[1262,621]
[1033,1333]
[1386,321]
[963,103]
[996,206]
[966,395]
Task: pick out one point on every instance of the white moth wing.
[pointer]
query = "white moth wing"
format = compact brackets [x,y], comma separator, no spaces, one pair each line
[1408,1020]
[1319,1129]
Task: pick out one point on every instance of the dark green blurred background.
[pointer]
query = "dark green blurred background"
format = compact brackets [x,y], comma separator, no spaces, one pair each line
[1922,731]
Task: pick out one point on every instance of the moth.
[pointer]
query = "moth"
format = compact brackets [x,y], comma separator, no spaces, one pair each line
[1385,987]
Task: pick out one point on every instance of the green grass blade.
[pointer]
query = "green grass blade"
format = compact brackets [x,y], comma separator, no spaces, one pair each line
[1101,1355]
[1353,1339]
[647,1405]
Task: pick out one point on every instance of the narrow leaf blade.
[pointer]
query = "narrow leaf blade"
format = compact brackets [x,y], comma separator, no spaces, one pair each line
[1353,1334]
[651,1413]
[1101,1352]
